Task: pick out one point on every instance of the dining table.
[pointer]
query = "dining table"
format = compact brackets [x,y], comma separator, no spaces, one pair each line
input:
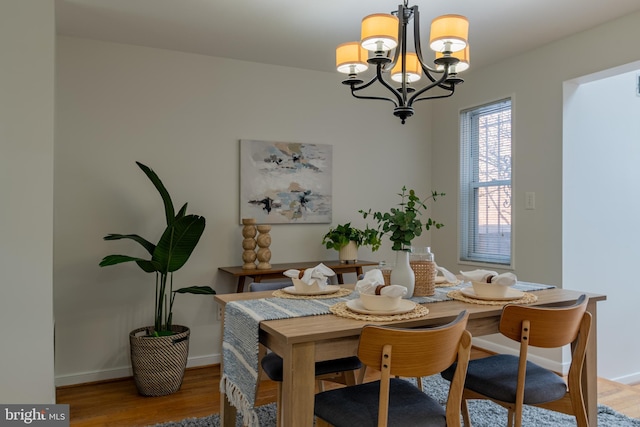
[302,341]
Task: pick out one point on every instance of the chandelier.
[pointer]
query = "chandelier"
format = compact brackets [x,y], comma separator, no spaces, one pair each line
[385,36]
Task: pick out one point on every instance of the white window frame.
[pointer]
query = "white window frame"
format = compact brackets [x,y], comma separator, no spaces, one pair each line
[469,252]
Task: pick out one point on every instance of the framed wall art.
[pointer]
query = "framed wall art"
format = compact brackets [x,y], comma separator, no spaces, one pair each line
[285,182]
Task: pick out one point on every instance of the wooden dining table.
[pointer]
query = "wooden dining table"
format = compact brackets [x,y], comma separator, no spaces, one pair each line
[302,341]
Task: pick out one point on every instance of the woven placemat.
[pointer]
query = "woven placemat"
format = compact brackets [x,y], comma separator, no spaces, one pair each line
[528,298]
[342,292]
[448,284]
[341,309]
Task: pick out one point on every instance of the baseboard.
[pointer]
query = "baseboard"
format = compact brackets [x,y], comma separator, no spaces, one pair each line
[550,364]
[124,372]
[631,379]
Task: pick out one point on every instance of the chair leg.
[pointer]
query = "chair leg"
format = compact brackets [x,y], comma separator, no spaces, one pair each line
[465,413]
[350,378]
[579,410]
[361,375]
[322,423]
[510,417]
[518,416]
[279,405]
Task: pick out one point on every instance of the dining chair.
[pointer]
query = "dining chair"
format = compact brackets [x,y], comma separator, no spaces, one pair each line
[513,381]
[347,370]
[394,401]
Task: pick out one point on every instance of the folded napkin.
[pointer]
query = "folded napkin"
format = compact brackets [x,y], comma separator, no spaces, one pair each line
[372,279]
[317,275]
[505,279]
[449,276]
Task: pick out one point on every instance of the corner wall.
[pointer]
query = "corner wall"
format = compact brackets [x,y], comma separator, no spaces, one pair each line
[27,48]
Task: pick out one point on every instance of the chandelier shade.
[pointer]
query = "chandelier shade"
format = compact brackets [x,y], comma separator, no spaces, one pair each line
[463,58]
[449,33]
[384,45]
[351,57]
[413,69]
[379,32]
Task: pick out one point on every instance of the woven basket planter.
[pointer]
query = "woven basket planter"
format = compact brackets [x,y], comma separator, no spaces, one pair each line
[159,362]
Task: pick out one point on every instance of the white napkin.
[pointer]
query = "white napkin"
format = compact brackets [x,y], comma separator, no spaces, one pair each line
[317,275]
[449,276]
[372,279]
[504,279]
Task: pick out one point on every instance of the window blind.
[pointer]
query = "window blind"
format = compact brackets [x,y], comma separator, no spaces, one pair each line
[485,180]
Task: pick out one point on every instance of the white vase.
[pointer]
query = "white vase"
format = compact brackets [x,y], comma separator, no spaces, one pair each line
[402,274]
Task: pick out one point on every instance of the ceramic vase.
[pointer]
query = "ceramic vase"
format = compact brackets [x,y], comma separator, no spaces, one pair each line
[348,253]
[402,274]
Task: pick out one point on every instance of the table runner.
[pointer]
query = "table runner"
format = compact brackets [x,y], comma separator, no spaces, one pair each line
[241,337]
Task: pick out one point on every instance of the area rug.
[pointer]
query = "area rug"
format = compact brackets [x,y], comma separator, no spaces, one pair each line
[483,413]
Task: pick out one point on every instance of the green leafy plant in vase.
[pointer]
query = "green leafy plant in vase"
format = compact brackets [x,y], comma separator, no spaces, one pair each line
[401,225]
[347,239]
[154,364]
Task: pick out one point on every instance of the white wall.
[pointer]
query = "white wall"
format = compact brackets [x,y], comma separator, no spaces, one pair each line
[183,115]
[534,80]
[26,224]
[601,202]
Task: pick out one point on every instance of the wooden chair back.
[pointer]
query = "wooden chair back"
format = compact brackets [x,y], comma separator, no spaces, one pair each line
[548,327]
[417,353]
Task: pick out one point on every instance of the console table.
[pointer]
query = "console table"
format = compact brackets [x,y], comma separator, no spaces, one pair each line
[277,270]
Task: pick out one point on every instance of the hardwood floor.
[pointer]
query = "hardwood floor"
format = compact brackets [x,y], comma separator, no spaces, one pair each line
[117,403]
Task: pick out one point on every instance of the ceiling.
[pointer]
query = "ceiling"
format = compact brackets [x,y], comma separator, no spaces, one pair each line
[304,33]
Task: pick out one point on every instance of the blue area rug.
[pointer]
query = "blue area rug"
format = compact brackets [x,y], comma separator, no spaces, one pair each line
[483,413]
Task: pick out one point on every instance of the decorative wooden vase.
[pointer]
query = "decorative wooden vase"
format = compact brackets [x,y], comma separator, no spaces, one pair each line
[249,243]
[264,241]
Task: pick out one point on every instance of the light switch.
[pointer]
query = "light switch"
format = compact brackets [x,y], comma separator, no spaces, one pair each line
[530,200]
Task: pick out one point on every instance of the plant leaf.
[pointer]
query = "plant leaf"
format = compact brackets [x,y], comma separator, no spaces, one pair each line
[150,247]
[200,290]
[182,212]
[166,198]
[178,242]
[144,264]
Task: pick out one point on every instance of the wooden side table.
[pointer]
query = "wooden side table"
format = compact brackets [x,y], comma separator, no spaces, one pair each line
[277,270]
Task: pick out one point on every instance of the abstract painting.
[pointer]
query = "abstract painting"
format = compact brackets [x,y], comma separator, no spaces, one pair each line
[285,182]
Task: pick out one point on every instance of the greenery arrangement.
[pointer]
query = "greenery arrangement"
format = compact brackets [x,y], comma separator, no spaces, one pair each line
[403,224]
[338,237]
[172,251]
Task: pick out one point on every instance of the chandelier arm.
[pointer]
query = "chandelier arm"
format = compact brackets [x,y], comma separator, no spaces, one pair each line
[452,89]
[426,88]
[365,85]
[401,100]
[418,47]
[355,89]
[374,97]
[448,85]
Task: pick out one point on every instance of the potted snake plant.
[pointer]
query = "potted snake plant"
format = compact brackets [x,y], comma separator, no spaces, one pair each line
[159,352]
